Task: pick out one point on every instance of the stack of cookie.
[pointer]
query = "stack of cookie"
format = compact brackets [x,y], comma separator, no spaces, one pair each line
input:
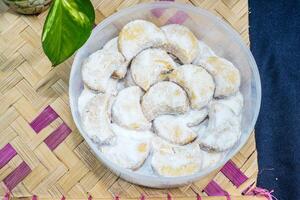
[161,95]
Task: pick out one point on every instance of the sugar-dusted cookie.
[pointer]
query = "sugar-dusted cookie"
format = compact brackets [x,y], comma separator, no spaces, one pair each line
[193,117]
[173,129]
[235,102]
[181,42]
[150,66]
[197,82]
[172,161]
[96,119]
[127,152]
[98,68]
[164,98]
[223,129]
[209,159]
[127,111]
[85,96]
[112,45]
[138,35]
[225,74]
[204,52]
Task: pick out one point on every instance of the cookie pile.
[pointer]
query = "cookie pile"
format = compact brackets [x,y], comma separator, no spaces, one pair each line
[160,94]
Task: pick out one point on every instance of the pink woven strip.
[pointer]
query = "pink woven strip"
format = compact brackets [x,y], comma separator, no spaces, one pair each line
[214,189]
[233,173]
[6,154]
[169,197]
[178,18]
[34,197]
[16,176]
[57,136]
[257,191]
[142,197]
[44,119]
[248,188]
[7,196]
[198,197]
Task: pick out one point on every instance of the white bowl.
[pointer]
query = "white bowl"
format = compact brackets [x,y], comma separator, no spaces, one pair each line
[217,34]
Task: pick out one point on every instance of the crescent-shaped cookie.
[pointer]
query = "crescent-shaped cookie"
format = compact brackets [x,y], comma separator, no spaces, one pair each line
[138,35]
[98,68]
[164,98]
[150,66]
[127,111]
[197,82]
[225,74]
[181,42]
[112,45]
[96,119]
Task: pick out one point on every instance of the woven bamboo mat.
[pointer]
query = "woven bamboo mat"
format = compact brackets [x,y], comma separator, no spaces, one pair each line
[55,161]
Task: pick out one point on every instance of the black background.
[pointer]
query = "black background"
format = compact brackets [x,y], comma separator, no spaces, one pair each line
[275,44]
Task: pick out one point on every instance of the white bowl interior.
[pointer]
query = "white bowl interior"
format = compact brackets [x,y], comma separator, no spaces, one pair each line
[207,27]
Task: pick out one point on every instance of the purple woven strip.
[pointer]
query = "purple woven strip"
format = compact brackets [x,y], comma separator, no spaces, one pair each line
[44,119]
[57,136]
[214,189]
[16,176]
[178,18]
[233,173]
[158,12]
[34,197]
[6,154]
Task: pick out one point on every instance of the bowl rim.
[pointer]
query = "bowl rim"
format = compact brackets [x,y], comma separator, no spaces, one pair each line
[232,33]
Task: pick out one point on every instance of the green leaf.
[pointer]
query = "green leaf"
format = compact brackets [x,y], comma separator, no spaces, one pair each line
[68,25]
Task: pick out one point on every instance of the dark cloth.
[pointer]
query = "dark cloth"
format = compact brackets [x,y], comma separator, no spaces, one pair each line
[275,44]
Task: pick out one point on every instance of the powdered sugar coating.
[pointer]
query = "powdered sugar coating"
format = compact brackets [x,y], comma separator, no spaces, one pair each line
[171,161]
[223,129]
[197,82]
[132,156]
[98,68]
[96,119]
[193,117]
[173,129]
[204,51]
[127,111]
[84,98]
[226,75]
[128,80]
[138,35]
[150,66]
[164,98]
[234,102]
[112,45]
[170,118]
[181,42]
